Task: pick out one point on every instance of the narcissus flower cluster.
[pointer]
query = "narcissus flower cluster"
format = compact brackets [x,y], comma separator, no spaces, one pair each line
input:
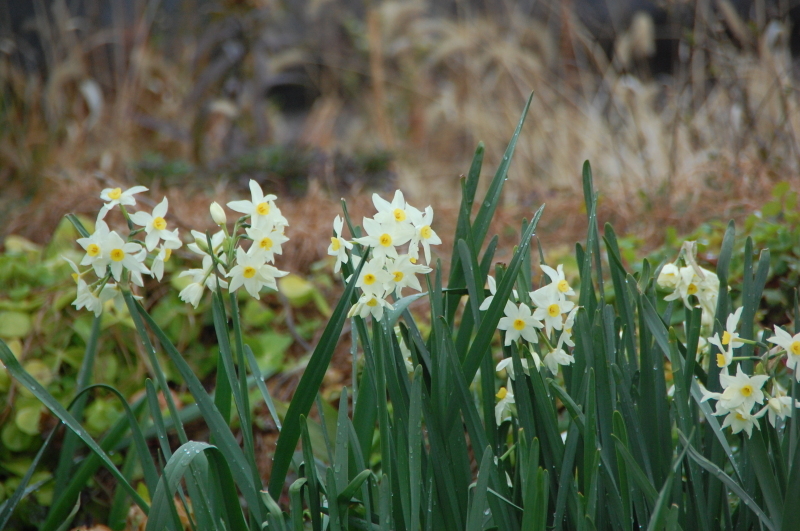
[224,257]
[744,398]
[391,246]
[115,260]
[550,317]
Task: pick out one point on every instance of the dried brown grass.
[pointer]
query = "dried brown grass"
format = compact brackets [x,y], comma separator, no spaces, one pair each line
[661,155]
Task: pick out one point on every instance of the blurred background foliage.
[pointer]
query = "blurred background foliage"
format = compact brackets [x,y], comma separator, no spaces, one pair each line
[688,111]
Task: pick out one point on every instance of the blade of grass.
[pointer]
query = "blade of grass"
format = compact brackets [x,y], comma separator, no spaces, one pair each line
[10,361]
[729,482]
[307,388]
[494,313]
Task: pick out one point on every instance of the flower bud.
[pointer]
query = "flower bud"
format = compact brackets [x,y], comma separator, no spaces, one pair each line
[217,214]
[668,279]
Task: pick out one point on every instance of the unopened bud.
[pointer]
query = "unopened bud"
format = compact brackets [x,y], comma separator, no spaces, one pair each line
[217,214]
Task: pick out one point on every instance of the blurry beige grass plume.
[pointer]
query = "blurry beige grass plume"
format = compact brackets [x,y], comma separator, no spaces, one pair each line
[674,151]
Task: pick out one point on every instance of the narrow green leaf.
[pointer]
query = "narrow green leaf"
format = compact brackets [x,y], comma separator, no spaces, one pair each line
[176,469]
[492,199]
[307,388]
[70,517]
[296,503]
[494,313]
[729,482]
[475,516]
[310,469]
[10,361]
[757,452]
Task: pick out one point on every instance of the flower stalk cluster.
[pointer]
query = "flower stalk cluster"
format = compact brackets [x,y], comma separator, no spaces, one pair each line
[550,318]
[117,261]
[394,236]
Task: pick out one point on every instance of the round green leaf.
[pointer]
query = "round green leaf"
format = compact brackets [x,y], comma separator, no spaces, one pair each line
[14,439]
[27,419]
[14,324]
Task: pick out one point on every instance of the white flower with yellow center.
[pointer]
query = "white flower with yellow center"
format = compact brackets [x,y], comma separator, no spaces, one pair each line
[261,208]
[94,246]
[550,306]
[163,256]
[87,298]
[492,283]
[569,322]
[116,196]
[384,238]
[504,407]
[202,278]
[558,356]
[729,340]
[267,242]
[423,234]
[155,226]
[780,405]
[741,390]
[120,254]
[518,322]
[395,212]
[558,281]
[252,272]
[740,419]
[339,246]
[370,304]
[404,274]
[374,278]
[791,344]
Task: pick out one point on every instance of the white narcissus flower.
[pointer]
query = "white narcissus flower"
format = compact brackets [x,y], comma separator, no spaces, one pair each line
[791,344]
[163,256]
[506,396]
[404,274]
[252,272]
[124,254]
[423,234]
[115,196]
[384,238]
[390,213]
[339,246]
[729,341]
[267,242]
[261,208]
[569,322]
[155,226]
[558,281]
[780,405]
[558,356]
[192,293]
[202,278]
[492,290]
[549,307]
[518,322]
[740,419]
[95,247]
[508,365]
[370,304]
[374,279]
[668,277]
[87,298]
[741,391]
